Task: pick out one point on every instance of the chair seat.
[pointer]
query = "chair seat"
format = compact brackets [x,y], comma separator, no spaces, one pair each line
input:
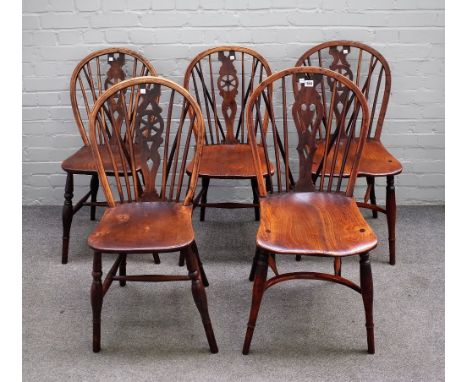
[375,159]
[313,223]
[229,162]
[82,161]
[143,227]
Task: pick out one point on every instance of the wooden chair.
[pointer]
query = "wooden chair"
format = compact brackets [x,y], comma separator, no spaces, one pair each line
[222,79]
[369,70]
[141,155]
[304,215]
[92,76]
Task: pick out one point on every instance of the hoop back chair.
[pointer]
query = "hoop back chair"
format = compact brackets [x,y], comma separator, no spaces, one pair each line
[369,70]
[96,73]
[300,214]
[222,79]
[141,156]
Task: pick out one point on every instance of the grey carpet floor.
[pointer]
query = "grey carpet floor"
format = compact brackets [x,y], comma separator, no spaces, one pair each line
[306,331]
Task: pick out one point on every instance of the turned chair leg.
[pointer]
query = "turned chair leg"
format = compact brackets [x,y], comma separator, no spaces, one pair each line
[67,216]
[96,301]
[337,266]
[257,294]
[199,295]
[94,186]
[371,184]
[156,258]
[200,265]
[254,265]
[391,216]
[123,269]
[367,298]
[254,184]
[181,259]
[204,198]
[298,257]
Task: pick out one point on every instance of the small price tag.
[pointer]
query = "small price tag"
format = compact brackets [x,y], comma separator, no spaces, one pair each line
[232,55]
[308,83]
[301,80]
[142,89]
[110,57]
[346,49]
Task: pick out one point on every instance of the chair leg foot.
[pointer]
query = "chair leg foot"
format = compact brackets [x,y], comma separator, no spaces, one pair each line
[94,186]
[67,216]
[123,270]
[257,294]
[391,217]
[204,198]
[199,296]
[96,301]
[156,258]
[367,298]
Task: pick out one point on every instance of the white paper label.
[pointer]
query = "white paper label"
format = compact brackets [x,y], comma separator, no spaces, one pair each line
[308,83]
[111,58]
[142,91]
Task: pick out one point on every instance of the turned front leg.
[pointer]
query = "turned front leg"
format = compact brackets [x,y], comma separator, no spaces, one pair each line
[367,292]
[67,216]
[391,217]
[96,300]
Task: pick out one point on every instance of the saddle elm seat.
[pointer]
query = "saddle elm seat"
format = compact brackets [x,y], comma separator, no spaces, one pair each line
[318,223]
[229,162]
[375,159]
[82,161]
[143,227]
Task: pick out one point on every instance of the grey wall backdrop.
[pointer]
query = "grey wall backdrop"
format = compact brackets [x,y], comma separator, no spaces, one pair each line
[58,33]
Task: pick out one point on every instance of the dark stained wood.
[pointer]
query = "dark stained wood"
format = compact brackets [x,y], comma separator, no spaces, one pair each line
[221,79]
[390,206]
[257,294]
[367,292]
[145,151]
[96,301]
[67,216]
[92,76]
[199,295]
[371,72]
[300,214]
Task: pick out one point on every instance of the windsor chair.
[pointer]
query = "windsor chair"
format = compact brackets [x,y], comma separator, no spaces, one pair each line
[369,70]
[148,193]
[300,214]
[92,76]
[222,78]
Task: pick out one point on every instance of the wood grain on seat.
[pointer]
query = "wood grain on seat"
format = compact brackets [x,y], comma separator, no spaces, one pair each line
[229,162]
[143,227]
[315,223]
[375,159]
[82,161]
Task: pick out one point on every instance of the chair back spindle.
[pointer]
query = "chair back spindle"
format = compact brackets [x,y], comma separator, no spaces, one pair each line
[95,74]
[363,65]
[160,128]
[330,119]
[222,79]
